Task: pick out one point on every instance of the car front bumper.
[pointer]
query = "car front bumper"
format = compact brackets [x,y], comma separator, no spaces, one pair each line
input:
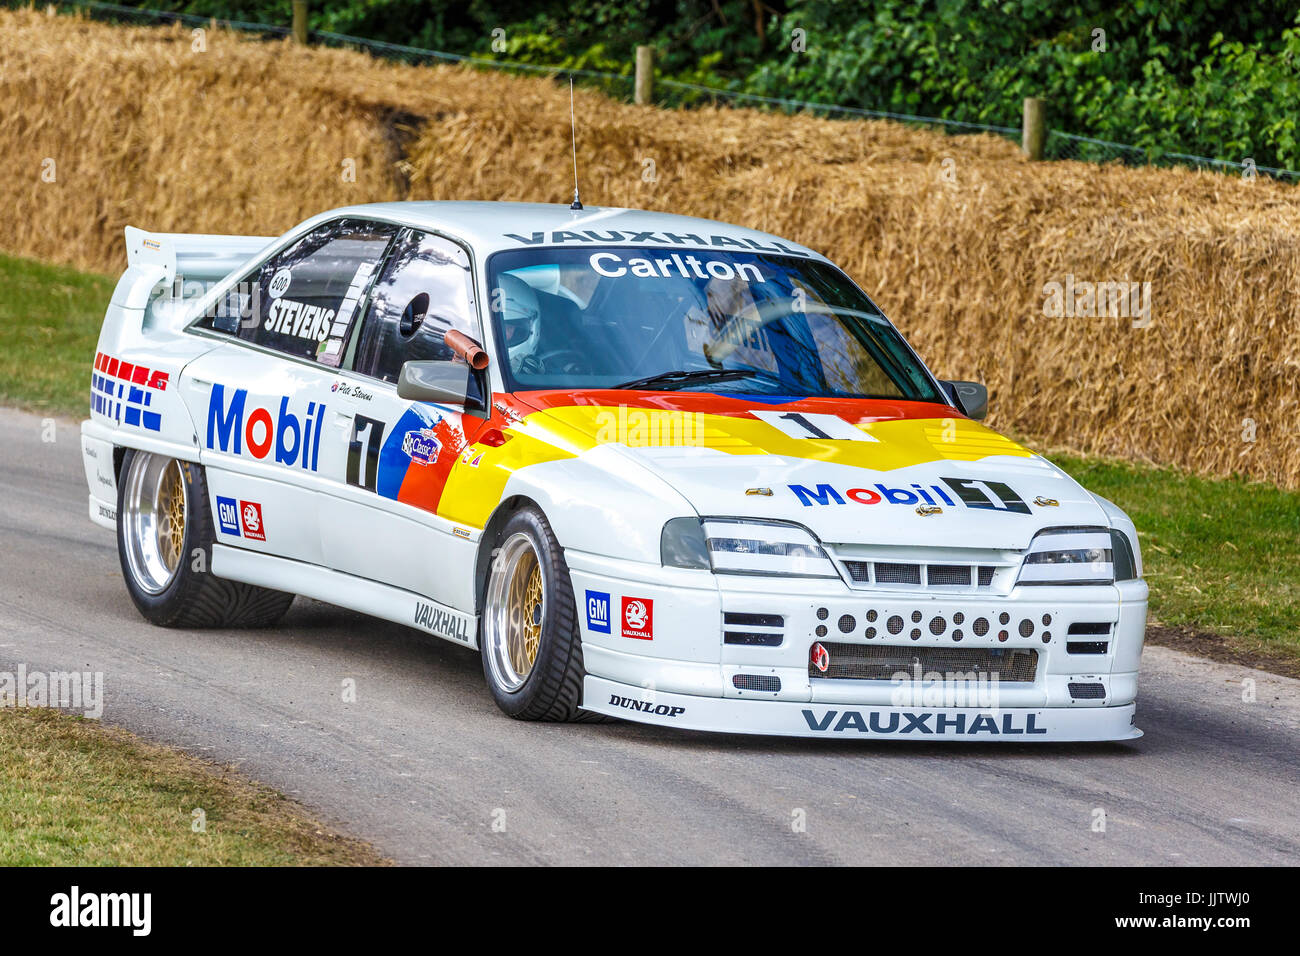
[691,675]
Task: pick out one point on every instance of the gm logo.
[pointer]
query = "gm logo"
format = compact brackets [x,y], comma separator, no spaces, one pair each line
[598,611]
[228,515]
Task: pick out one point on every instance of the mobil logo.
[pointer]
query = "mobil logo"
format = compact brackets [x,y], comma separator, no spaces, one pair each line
[237,426]
[981,494]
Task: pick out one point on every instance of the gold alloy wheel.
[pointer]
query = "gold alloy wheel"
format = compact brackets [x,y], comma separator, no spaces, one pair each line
[155,507]
[514,613]
[527,609]
[171,516]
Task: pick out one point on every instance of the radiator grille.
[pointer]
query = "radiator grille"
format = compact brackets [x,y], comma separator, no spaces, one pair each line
[882,662]
[1087,691]
[887,573]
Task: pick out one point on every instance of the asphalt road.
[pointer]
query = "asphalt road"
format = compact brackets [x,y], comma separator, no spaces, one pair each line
[425,767]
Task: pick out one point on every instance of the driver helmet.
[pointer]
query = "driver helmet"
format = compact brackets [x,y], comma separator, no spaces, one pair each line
[520,317]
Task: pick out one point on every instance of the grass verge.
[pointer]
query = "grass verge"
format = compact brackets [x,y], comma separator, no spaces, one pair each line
[49,324]
[1222,557]
[74,792]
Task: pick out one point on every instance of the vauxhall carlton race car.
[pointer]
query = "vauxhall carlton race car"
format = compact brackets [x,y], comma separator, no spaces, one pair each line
[648,466]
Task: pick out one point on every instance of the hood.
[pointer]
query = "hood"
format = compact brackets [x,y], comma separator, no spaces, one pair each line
[879,472]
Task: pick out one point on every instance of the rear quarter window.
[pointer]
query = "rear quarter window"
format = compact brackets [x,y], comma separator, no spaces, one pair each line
[304,300]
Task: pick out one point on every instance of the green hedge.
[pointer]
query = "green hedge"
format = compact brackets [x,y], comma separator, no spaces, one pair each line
[1212,77]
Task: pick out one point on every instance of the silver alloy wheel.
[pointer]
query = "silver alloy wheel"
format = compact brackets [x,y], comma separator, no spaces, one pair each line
[514,612]
[155,506]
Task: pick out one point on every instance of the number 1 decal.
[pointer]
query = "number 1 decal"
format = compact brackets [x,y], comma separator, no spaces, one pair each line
[374,430]
[813,425]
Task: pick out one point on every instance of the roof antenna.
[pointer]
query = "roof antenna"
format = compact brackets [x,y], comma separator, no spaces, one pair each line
[573,129]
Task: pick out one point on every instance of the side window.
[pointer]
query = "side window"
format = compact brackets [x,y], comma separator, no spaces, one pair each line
[304,300]
[426,289]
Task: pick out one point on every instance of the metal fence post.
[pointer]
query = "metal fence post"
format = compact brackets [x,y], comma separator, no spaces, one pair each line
[644,89]
[300,22]
[1034,134]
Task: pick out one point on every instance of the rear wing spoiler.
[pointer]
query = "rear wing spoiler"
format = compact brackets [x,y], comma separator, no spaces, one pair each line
[155,260]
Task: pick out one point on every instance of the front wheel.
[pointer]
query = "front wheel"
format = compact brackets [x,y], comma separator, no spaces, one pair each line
[164,541]
[532,651]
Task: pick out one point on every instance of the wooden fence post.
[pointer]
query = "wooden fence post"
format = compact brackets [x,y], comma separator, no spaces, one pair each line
[300,22]
[644,90]
[1034,134]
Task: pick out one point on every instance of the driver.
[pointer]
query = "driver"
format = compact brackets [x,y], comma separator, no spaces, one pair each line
[729,325]
[521,320]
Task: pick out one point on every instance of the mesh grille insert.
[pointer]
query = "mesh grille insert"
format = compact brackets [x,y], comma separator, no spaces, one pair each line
[882,662]
[763,682]
[859,571]
[1087,691]
[948,575]
[898,573]
[986,576]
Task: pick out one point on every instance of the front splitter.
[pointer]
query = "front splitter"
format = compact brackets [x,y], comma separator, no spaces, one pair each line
[859,722]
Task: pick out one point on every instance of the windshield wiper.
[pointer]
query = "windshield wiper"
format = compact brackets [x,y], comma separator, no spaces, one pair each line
[682,378]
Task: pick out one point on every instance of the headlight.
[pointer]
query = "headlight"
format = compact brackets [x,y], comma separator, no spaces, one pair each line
[1061,556]
[732,546]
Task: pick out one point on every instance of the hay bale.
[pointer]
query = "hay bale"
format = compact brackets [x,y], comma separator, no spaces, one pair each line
[250,137]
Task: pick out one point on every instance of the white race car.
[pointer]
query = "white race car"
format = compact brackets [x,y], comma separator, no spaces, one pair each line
[649,466]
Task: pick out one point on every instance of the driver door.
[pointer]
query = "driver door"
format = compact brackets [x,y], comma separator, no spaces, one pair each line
[396,455]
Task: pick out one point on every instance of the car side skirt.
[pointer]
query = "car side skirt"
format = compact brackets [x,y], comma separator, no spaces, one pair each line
[858,722]
[345,590]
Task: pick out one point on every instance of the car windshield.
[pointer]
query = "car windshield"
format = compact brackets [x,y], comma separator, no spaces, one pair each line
[720,321]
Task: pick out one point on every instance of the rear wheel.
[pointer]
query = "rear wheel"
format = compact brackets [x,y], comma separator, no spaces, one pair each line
[164,541]
[532,651]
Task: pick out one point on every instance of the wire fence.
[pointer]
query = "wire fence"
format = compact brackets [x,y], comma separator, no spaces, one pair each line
[674,93]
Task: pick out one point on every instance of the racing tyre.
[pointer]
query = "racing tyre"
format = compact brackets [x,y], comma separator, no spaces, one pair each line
[532,651]
[163,523]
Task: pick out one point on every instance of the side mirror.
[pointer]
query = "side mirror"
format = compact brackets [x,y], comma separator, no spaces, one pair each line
[969,398]
[440,382]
